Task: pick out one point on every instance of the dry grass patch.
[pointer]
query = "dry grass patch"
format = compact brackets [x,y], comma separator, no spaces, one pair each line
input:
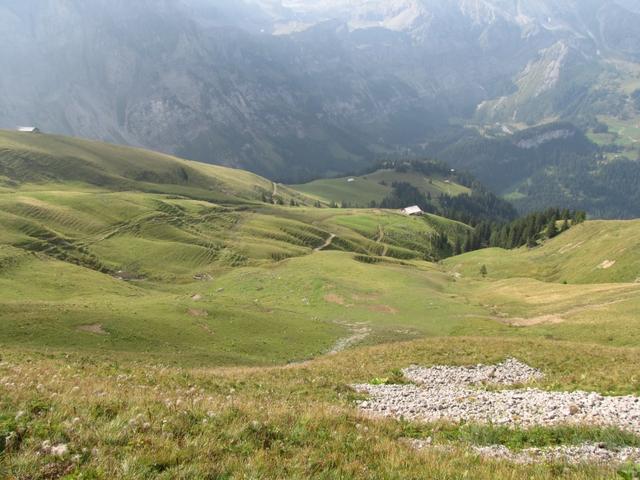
[335,299]
[96,329]
[137,420]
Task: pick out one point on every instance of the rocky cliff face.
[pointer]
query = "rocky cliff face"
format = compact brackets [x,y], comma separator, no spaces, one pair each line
[293,88]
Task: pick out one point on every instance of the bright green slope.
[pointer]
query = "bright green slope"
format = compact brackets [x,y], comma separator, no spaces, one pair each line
[376,186]
[29,158]
[126,267]
[583,285]
[92,258]
[126,283]
[593,252]
[283,312]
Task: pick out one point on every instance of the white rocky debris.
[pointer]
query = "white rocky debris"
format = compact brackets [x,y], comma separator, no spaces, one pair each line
[455,394]
[509,372]
[585,453]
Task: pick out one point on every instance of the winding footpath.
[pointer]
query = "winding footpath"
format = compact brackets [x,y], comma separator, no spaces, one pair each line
[385,247]
[326,244]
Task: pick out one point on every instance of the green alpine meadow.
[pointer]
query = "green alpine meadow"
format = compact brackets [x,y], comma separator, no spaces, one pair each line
[319,240]
[168,319]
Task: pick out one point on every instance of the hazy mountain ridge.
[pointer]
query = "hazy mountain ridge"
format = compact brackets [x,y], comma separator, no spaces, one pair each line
[353,80]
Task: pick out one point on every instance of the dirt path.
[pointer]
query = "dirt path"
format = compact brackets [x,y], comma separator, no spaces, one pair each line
[558,317]
[359,333]
[326,244]
[380,239]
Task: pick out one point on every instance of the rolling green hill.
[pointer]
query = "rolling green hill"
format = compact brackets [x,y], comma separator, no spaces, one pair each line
[376,186]
[432,185]
[105,247]
[583,285]
[593,252]
[44,159]
[166,329]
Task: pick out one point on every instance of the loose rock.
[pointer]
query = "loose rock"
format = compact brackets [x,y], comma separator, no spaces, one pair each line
[455,394]
[574,454]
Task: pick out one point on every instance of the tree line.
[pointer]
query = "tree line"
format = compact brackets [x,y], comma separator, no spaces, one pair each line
[528,230]
[471,208]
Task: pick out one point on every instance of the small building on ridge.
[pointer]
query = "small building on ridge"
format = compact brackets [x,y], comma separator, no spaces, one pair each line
[411,211]
[29,129]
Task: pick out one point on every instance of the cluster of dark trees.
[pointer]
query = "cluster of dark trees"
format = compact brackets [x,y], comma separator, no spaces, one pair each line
[571,171]
[405,195]
[479,206]
[501,163]
[527,230]
[607,189]
[635,96]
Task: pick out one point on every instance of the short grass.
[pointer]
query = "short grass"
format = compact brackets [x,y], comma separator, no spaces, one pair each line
[594,252]
[581,286]
[135,420]
[160,332]
[623,133]
[159,236]
[287,312]
[50,158]
[375,187]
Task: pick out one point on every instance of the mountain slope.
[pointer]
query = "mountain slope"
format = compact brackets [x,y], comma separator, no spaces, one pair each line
[376,186]
[296,90]
[113,249]
[38,158]
[136,321]
[146,214]
[590,253]
[554,164]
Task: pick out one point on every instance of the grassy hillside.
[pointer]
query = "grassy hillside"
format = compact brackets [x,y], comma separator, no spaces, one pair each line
[93,258]
[164,236]
[46,159]
[583,285]
[138,420]
[107,271]
[593,252]
[208,334]
[553,164]
[376,186]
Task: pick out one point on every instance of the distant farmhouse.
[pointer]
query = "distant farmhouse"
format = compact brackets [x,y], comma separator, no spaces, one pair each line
[29,129]
[411,211]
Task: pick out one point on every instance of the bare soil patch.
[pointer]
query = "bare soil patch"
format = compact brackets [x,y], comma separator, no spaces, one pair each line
[359,333]
[606,264]
[364,298]
[383,309]
[333,298]
[326,244]
[197,313]
[96,329]
[540,320]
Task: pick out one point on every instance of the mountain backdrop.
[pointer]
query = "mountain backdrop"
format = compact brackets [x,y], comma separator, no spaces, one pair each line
[296,89]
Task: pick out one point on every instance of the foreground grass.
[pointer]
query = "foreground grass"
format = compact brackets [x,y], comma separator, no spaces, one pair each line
[134,420]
